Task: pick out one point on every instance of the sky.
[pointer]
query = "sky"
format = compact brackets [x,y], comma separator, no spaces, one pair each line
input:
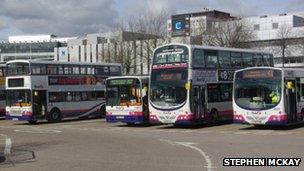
[80,17]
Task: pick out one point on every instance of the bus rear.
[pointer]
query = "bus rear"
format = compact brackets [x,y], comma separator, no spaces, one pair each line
[2,90]
[19,104]
[258,96]
[126,99]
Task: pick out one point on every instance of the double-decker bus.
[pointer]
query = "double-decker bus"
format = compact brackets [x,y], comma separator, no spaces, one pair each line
[268,96]
[2,90]
[193,84]
[127,99]
[55,90]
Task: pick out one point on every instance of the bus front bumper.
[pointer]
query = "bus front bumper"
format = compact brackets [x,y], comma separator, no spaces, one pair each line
[125,118]
[19,118]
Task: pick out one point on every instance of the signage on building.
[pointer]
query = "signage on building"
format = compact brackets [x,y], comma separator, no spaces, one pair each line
[63,53]
[180,25]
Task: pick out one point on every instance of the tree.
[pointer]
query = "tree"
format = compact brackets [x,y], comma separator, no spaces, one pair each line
[232,33]
[283,35]
[150,23]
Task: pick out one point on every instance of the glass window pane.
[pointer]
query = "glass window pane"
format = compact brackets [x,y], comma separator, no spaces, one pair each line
[211,59]
[224,59]
[68,70]
[69,96]
[198,58]
[247,57]
[226,92]
[83,70]
[77,96]
[213,93]
[89,70]
[76,70]
[267,60]
[236,59]
[257,60]
[84,96]
[52,70]
[60,70]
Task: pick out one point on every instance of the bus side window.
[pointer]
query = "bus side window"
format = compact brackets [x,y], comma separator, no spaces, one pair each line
[213,93]
[211,59]
[100,94]
[236,59]
[301,89]
[69,96]
[226,92]
[247,59]
[83,70]
[198,58]
[257,60]
[224,59]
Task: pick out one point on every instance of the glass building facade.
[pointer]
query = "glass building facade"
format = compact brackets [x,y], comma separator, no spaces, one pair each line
[35,50]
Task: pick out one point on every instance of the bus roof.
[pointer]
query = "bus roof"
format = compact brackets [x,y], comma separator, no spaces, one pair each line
[129,76]
[264,67]
[215,48]
[63,63]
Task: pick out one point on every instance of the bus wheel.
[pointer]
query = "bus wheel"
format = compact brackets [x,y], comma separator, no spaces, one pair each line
[215,116]
[54,116]
[32,122]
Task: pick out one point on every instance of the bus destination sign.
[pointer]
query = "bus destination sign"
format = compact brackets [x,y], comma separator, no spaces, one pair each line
[120,82]
[258,73]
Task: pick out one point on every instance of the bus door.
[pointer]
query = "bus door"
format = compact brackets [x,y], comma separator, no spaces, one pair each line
[203,103]
[39,102]
[291,100]
[145,104]
[199,101]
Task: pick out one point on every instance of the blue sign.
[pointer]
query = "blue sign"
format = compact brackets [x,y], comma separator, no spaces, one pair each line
[63,53]
[178,25]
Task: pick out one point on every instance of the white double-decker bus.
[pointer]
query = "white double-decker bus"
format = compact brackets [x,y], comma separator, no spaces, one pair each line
[2,90]
[127,99]
[193,84]
[55,90]
[268,96]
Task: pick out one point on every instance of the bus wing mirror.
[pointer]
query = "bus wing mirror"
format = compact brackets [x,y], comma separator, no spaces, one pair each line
[187,85]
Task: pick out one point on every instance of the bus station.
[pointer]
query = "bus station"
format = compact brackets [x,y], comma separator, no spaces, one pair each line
[150,85]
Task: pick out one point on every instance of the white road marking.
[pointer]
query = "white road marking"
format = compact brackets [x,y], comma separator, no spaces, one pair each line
[38,131]
[8,146]
[242,132]
[192,146]
[263,132]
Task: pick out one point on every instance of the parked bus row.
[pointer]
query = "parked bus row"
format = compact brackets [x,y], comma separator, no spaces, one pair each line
[187,85]
[194,84]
